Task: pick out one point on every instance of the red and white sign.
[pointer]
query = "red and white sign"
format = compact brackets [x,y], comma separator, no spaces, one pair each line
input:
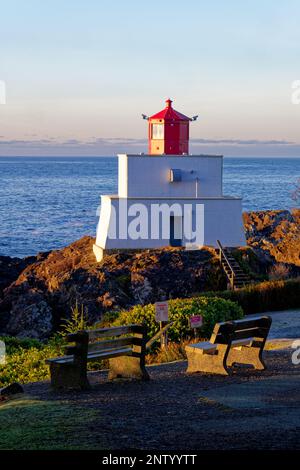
[196,321]
[161,311]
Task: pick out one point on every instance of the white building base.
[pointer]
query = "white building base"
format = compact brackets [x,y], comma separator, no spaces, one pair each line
[191,183]
[221,219]
[98,252]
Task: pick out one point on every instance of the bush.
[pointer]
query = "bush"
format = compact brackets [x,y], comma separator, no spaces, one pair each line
[25,359]
[213,310]
[279,271]
[78,321]
[13,344]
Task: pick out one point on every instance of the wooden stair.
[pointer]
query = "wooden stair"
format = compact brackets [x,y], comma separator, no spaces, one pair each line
[236,276]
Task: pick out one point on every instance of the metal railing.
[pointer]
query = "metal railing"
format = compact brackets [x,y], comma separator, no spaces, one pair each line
[223,257]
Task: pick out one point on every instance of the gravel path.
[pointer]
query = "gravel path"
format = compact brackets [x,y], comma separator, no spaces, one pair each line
[248,410]
[285,324]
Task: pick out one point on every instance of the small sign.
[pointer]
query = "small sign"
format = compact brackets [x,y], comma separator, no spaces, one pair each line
[196,321]
[161,311]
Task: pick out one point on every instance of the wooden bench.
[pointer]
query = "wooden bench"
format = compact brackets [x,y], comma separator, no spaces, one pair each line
[124,346]
[240,342]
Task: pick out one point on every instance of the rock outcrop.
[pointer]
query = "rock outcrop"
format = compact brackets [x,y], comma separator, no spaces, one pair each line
[38,292]
[274,233]
[11,268]
[42,296]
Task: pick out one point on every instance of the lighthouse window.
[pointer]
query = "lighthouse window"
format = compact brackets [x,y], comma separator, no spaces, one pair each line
[184,131]
[157,131]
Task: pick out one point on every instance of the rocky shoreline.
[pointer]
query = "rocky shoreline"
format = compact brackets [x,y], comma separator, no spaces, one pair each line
[37,293]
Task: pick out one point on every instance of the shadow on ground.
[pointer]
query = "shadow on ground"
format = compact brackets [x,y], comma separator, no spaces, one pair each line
[248,410]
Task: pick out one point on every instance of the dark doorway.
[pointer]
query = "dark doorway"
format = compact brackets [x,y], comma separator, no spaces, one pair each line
[175,230]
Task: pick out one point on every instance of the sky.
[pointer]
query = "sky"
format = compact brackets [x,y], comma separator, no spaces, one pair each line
[79,73]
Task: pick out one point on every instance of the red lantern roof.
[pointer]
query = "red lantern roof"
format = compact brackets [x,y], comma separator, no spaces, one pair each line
[170,114]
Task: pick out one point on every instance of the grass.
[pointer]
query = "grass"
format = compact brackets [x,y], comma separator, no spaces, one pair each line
[26,362]
[174,352]
[28,424]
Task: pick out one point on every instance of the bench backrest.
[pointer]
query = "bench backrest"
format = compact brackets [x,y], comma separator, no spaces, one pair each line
[226,332]
[108,340]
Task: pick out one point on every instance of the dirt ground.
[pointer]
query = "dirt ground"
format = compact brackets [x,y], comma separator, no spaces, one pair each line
[247,410]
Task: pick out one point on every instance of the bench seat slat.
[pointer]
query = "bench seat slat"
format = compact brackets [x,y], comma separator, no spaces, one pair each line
[206,347]
[240,334]
[245,323]
[115,343]
[115,331]
[93,355]
[203,347]
[251,332]
[236,329]
[60,359]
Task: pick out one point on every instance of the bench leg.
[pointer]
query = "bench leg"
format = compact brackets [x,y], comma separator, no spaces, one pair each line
[127,367]
[247,355]
[68,376]
[208,363]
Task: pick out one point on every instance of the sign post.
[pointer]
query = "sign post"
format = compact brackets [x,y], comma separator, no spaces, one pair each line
[162,316]
[196,321]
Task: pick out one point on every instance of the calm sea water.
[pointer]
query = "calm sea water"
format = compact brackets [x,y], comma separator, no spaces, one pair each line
[49,202]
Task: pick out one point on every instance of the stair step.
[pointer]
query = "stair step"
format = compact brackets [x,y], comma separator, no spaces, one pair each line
[231,267]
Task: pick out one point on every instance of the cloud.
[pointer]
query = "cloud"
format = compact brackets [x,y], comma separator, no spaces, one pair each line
[129,141]
[241,142]
[56,146]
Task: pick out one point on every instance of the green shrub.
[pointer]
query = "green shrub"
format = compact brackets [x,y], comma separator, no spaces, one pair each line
[78,321]
[213,310]
[13,344]
[28,364]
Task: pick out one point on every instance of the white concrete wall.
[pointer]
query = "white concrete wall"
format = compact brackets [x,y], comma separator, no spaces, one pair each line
[222,220]
[105,221]
[148,176]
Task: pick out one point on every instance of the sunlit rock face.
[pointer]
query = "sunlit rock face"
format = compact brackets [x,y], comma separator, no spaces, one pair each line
[276,233]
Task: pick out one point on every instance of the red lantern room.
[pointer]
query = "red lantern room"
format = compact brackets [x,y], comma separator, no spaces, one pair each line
[169,132]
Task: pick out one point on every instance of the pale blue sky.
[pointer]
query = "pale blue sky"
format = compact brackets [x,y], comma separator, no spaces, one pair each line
[79,74]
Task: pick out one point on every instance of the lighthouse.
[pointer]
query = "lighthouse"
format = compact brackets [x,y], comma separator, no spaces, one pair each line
[168,197]
[168,132]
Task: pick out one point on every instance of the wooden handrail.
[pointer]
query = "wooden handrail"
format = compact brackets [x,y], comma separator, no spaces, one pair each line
[158,335]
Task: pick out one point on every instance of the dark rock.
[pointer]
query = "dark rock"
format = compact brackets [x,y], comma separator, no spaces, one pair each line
[11,268]
[12,389]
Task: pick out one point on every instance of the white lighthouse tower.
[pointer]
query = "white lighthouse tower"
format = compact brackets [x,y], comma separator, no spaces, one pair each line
[169,197]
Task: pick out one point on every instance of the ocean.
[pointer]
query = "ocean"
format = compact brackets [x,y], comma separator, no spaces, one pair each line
[49,202]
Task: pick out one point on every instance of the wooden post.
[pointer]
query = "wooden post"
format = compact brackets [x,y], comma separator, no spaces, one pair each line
[162,317]
[164,336]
